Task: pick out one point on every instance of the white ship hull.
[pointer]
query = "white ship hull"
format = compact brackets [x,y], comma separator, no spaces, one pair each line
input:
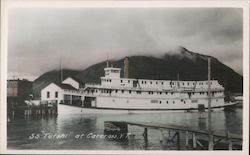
[69,109]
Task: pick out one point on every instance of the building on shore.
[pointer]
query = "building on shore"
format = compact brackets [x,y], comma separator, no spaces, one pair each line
[18,90]
[66,92]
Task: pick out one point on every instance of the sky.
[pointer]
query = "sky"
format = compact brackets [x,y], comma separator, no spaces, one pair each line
[81,37]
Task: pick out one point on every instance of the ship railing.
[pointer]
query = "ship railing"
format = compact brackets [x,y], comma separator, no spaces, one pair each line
[152,89]
[92,85]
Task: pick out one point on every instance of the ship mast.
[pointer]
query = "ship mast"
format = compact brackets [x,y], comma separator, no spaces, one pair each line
[210,146]
[61,70]
[107,62]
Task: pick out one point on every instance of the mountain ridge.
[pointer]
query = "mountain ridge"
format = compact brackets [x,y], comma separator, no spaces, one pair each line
[187,64]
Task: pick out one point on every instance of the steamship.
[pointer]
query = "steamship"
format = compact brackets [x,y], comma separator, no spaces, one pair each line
[127,95]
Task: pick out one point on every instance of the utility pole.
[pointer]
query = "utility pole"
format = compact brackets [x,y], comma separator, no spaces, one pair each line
[210,145]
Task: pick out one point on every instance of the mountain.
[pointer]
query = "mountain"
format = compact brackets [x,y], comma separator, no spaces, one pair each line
[180,63]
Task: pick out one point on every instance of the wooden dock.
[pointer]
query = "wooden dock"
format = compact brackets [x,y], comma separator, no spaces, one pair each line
[196,138]
[31,110]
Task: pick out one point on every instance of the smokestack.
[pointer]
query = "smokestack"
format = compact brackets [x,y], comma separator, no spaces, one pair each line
[126,67]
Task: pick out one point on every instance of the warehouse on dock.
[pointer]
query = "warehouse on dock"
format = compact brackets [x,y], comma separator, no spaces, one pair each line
[66,92]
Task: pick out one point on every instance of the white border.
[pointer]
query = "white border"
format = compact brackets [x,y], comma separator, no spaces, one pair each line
[6,4]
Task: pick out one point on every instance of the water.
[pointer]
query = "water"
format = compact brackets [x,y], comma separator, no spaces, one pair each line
[73,131]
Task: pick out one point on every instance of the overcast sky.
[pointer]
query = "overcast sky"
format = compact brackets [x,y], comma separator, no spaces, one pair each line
[82,37]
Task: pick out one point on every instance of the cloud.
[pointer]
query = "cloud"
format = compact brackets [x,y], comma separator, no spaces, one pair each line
[84,36]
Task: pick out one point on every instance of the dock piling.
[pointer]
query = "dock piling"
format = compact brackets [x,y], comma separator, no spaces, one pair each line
[178,140]
[194,141]
[187,139]
[210,142]
[230,144]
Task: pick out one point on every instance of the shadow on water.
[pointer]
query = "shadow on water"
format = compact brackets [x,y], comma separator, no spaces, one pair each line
[234,118]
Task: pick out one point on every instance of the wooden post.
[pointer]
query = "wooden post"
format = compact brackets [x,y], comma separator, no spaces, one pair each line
[71,98]
[210,136]
[211,142]
[187,139]
[194,141]
[230,144]
[145,134]
[161,136]
[178,140]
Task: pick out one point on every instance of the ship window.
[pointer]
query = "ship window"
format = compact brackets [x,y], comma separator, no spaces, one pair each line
[150,82]
[184,102]
[130,92]
[128,81]
[161,82]
[194,101]
[182,83]
[167,102]
[110,80]
[173,102]
[138,92]
[160,92]
[193,93]
[181,100]
[172,93]
[116,91]
[122,91]
[166,93]
[149,92]
[141,82]
[156,82]
[154,101]
[188,83]
[145,82]
[56,94]
[121,81]
[193,83]
[160,102]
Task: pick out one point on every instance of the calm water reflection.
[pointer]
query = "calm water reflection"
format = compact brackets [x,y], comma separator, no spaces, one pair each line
[73,131]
